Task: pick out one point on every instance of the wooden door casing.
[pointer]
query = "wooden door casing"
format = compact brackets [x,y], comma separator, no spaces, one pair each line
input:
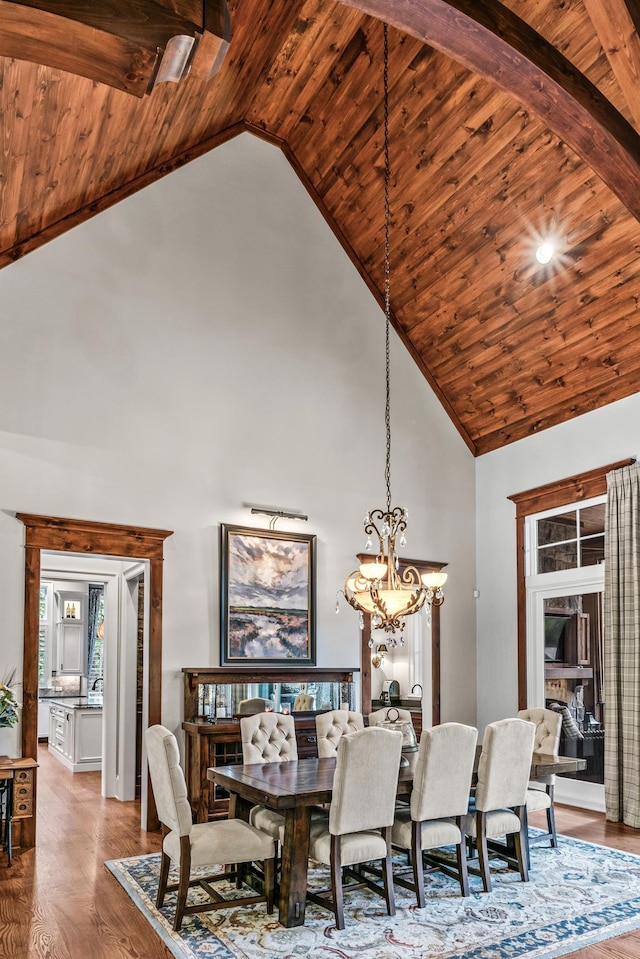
[89,539]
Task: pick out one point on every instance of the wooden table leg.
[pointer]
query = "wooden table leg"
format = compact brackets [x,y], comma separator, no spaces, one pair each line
[295,858]
[239,808]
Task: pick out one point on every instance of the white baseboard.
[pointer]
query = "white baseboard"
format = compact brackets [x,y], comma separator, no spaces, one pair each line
[576,792]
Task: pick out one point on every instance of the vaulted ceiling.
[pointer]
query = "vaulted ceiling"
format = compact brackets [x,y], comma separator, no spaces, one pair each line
[508,121]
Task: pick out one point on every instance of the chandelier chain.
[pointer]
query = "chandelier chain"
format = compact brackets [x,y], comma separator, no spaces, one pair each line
[380,588]
[387,282]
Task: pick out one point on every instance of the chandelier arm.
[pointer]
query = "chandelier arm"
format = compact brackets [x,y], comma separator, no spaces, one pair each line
[411,577]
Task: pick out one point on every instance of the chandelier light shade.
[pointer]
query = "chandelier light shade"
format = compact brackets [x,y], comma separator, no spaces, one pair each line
[384,588]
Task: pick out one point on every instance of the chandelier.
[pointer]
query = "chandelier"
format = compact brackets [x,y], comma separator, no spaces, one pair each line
[383,587]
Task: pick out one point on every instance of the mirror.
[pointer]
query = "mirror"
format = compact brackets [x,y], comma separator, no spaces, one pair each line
[225,700]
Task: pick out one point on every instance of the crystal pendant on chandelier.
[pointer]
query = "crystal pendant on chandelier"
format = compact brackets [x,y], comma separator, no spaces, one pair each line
[383,587]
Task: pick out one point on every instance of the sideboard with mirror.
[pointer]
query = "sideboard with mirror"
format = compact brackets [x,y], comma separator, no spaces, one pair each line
[215,699]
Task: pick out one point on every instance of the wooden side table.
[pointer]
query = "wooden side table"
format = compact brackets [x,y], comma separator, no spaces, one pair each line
[6,811]
[17,796]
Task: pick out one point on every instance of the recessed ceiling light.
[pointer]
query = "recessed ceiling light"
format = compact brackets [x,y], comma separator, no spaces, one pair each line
[544,253]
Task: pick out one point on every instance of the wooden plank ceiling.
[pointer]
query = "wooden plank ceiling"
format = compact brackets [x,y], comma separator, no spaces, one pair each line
[507,121]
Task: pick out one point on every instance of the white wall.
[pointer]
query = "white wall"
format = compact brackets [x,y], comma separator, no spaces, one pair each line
[207,343]
[587,442]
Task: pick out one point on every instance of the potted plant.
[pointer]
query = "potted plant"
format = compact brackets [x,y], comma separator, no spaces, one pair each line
[9,705]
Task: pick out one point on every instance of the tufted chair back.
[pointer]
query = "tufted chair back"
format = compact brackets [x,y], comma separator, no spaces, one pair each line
[268,738]
[331,726]
[548,726]
[302,701]
[167,779]
[248,707]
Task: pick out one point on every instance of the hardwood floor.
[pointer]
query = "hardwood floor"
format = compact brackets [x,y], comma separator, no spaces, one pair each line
[58,901]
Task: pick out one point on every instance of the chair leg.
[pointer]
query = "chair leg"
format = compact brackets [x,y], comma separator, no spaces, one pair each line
[483,851]
[461,854]
[551,825]
[269,867]
[522,851]
[183,883]
[387,873]
[551,819]
[165,862]
[336,881]
[418,865]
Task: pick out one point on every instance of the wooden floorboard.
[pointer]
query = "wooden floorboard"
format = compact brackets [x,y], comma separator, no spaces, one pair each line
[58,901]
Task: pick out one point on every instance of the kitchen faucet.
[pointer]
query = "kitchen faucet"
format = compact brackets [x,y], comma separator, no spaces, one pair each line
[97,680]
[416,686]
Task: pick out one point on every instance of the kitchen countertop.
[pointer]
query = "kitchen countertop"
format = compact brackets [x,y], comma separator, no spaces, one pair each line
[77,702]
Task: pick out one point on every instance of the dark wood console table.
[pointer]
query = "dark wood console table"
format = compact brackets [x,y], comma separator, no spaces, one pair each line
[212,743]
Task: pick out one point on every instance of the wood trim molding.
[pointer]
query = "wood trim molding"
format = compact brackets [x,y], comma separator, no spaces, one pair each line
[68,222]
[569,490]
[96,539]
[573,489]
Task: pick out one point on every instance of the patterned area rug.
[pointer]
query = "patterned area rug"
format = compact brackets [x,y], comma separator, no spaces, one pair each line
[578,894]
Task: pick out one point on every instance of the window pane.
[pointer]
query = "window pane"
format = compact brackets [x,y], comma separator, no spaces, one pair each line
[43,602]
[592,551]
[42,655]
[557,529]
[552,558]
[592,520]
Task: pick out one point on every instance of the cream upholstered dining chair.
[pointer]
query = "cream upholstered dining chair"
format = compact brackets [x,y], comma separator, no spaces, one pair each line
[540,792]
[331,726]
[302,701]
[248,707]
[439,803]
[501,794]
[208,844]
[361,814]
[380,715]
[268,738]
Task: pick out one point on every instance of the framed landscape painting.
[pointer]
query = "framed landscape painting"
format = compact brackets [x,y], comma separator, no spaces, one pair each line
[267,597]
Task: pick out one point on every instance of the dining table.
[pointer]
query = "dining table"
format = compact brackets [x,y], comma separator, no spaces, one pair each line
[295,788]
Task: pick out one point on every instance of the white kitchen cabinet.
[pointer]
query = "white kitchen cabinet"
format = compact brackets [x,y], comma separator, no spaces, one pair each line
[60,731]
[43,718]
[87,737]
[71,634]
[72,655]
[75,736]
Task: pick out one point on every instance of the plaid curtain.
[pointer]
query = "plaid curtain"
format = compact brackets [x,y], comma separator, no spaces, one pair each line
[622,646]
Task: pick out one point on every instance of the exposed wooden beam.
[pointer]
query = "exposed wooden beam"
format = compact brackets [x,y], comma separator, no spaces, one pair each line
[617,29]
[118,43]
[492,41]
[145,22]
[41,37]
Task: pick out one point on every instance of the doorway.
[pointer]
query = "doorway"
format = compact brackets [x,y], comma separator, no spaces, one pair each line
[564,626]
[93,539]
[118,662]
